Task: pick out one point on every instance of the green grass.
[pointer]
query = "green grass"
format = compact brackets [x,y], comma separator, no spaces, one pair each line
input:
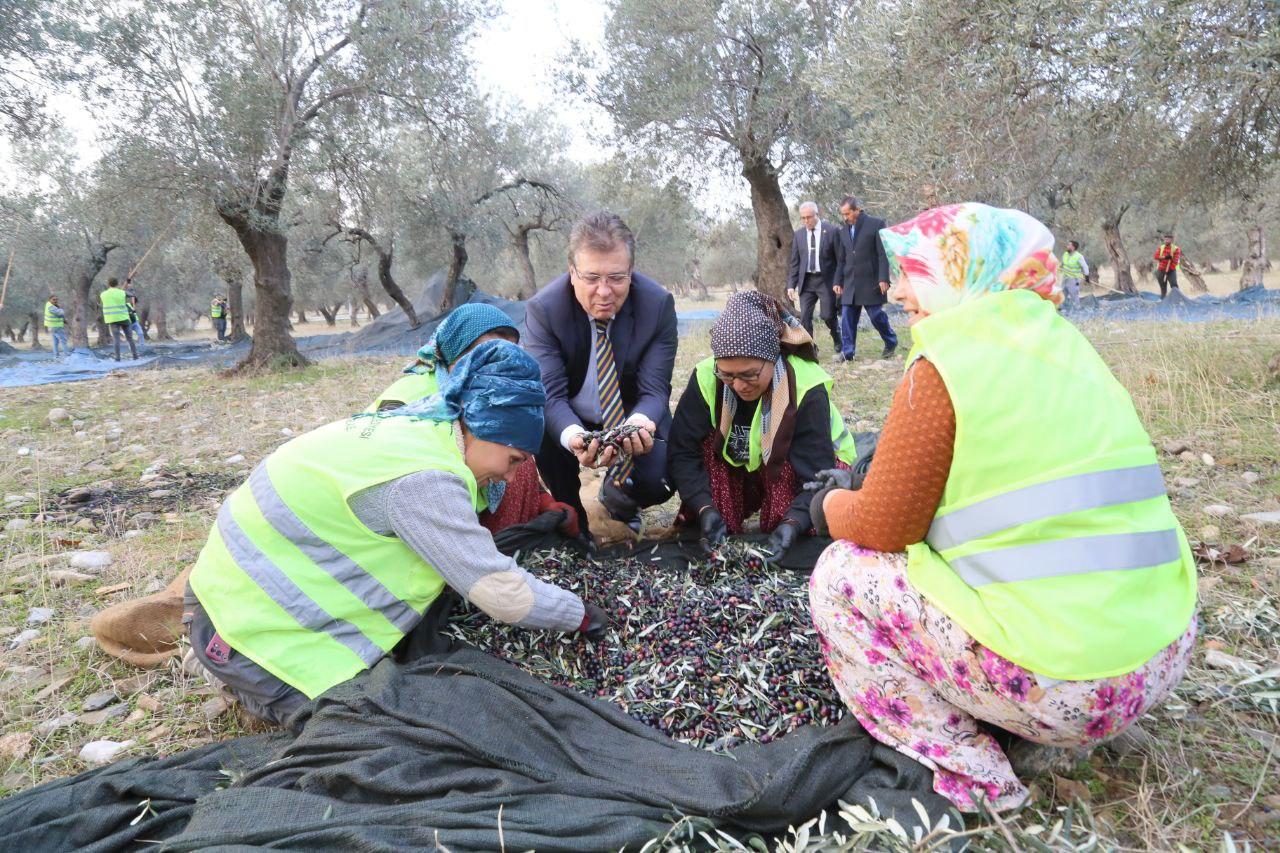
[1198,383]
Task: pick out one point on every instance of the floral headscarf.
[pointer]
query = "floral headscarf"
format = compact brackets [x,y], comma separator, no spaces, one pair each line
[959,252]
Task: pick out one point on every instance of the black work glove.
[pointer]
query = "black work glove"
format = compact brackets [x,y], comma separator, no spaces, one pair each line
[830,478]
[594,622]
[816,513]
[780,541]
[714,529]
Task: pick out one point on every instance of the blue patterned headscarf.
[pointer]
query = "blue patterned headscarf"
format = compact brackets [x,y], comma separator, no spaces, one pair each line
[462,328]
[496,390]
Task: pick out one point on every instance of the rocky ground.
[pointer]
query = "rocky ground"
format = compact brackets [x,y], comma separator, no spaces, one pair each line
[108,489]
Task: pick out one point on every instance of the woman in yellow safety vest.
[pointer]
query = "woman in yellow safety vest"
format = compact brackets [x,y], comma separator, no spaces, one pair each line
[1012,557]
[521,498]
[341,539]
[754,424]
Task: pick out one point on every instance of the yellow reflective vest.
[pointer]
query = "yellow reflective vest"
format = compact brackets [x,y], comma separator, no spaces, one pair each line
[1054,545]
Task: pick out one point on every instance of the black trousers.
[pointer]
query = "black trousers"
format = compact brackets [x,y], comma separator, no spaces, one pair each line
[647,485]
[1167,281]
[813,290]
[125,328]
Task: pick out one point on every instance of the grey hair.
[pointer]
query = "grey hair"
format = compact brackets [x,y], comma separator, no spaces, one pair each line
[601,231]
[852,201]
[806,204]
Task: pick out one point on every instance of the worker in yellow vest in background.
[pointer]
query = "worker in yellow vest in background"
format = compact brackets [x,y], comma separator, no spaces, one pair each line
[115,313]
[218,314]
[1074,269]
[55,320]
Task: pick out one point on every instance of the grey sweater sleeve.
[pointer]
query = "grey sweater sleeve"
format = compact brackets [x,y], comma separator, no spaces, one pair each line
[432,512]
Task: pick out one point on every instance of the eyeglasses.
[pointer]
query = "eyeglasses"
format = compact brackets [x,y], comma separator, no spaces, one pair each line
[730,378]
[614,279]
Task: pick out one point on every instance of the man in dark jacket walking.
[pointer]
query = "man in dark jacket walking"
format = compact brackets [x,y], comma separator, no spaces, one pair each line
[862,277]
[811,271]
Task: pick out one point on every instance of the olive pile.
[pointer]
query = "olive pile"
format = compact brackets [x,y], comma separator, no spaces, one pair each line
[713,655]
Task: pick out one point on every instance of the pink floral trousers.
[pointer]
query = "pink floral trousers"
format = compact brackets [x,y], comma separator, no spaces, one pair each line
[917,682]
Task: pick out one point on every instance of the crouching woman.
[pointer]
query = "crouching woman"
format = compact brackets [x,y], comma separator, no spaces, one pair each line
[754,424]
[339,541]
[1011,565]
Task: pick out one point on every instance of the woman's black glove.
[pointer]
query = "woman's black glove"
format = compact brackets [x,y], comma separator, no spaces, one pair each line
[817,514]
[830,478]
[594,622]
[780,541]
[714,530]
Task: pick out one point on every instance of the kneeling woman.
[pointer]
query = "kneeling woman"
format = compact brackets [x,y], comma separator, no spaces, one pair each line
[520,498]
[754,424]
[341,539]
[1046,588]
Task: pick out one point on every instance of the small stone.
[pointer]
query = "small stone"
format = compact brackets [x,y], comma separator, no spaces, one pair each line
[214,708]
[1207,459]
[148,703]
[131,534]
[57,416]
[15,745]
[16,525]
[1263,517]
[1175,447]
[1210,533]
[101,699]
[97,718]
[24,451]
[1218,792]
[1251,477]
[23,638]
[1186,482]
[40,615]
[160,493]
[1187,456]
[64,577]
[77,424]
[48,727]
[1218,510]
[234,460]
[85,524]
[91,561]
[286,432]
[86,643]
[136,716]
[102,751]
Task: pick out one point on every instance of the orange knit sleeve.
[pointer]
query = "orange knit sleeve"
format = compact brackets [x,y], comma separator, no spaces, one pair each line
[903,489]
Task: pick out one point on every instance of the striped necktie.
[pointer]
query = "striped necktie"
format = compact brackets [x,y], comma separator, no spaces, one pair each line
[610,393]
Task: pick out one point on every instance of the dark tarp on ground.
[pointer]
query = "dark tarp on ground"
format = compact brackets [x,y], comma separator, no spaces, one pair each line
[420,753]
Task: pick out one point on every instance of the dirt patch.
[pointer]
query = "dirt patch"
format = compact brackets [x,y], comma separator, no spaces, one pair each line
[113,508]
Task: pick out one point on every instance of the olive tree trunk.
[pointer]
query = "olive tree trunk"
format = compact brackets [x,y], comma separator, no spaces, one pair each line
[267,248]
[84,304]
[1255,263]
[1118,253]
[457,263]
[773,226]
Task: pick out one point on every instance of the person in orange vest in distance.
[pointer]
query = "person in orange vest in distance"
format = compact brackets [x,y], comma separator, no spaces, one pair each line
[1168,257]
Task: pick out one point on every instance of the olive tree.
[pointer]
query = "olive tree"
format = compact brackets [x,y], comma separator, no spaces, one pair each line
[228,98]
[719,82]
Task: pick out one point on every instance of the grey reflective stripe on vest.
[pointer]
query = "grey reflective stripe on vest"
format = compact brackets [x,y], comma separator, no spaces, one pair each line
[336,564]
[840,439]
[1057,557]
[1045,500]
[287,594]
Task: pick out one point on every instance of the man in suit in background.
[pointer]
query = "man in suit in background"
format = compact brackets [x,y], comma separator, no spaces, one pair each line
[862,277]
[605,338]
[812,271]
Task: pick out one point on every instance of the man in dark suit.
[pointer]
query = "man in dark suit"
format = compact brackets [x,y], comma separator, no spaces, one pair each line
[862,277]
[605,337]
[812,271]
